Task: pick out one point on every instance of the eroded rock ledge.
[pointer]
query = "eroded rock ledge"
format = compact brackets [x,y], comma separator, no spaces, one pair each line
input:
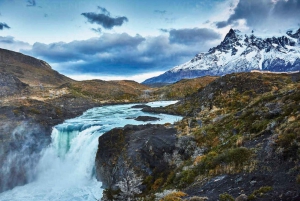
[141,148]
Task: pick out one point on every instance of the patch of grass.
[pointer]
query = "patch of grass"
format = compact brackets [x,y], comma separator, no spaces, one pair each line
[34,111]
[176,196]
[260,192]
[230,161]
[185,178]
[258,126]
[158,182]
[226,197]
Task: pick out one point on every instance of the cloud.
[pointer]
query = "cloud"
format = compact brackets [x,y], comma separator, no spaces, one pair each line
[3,26]
[98,30]
[104,10]
[265,14]
[104,19]
[161,12]
[121,54]
[8,42]
[138,78]
[164,30]
[195,35]
[31,3]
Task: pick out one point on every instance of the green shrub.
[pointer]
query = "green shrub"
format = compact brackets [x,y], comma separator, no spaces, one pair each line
[226,197]
[260,192]
[185,178]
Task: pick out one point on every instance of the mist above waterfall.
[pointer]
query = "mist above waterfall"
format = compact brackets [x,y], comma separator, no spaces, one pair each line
[20,157]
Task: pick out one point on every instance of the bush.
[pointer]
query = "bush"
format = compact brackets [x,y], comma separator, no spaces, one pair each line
[226,197]
[185,178]
[174,196]
[158,182]
[260,192]
[237,156]
[170,195]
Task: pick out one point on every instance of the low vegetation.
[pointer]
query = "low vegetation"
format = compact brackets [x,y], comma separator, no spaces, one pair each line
[238,122]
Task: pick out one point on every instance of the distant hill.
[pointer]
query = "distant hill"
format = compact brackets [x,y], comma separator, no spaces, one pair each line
[183,88]
[106,90]
[30,70]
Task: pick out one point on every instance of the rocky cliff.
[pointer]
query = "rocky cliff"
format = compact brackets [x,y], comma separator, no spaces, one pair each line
[140,148]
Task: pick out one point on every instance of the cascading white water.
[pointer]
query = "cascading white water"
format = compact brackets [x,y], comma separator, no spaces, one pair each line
[66,168]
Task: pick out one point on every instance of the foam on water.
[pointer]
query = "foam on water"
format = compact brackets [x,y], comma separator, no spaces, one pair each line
[66,167]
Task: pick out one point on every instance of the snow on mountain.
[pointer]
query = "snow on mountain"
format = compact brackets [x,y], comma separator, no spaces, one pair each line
[240,53]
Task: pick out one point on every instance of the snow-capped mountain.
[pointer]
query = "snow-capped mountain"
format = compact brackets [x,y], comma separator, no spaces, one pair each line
[240,53]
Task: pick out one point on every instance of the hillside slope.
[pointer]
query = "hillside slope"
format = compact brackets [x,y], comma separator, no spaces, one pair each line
[30,70]
[239,138]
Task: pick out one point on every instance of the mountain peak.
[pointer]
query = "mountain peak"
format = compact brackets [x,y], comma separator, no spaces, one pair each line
[295,35]
[230,34]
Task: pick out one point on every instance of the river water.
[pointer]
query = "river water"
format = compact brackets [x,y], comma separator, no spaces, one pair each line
[65,171]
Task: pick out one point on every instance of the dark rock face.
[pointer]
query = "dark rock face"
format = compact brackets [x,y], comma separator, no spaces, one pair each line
[141,148]
[10,85]
[146,118]
[140,106]
[74,105]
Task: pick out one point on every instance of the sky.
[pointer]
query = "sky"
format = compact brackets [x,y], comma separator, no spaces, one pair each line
[133,39]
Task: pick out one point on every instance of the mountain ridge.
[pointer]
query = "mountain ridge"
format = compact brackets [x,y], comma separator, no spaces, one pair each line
[239,53]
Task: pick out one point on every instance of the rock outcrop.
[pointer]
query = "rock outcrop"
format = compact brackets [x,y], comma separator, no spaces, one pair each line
[11,85]
[141,148]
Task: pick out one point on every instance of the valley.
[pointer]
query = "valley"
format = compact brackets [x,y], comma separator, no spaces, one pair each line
[238,138]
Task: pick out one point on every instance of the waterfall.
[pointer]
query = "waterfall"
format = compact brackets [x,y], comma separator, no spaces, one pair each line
[65,171]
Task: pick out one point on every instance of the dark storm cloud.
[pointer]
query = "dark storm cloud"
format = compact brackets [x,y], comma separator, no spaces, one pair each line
[265,13]
[107,44]
[195,35]
[31,3]
[104,19]
[122,54]
[3,26]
